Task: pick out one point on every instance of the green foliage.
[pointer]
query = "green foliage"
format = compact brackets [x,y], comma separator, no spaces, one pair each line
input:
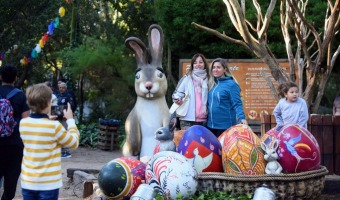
[108,75]
[209,196]
[88,134]
[176,17]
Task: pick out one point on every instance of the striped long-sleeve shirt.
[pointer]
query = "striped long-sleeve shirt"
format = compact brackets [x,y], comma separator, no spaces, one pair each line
[43,138]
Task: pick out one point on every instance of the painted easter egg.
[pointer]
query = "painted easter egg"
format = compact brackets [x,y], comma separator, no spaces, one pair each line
[170,173]
[241,151]
[298,149]
[178,136]
[121,177]
[202,148]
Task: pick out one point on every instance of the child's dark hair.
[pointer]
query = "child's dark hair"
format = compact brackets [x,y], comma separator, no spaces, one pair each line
[284,87]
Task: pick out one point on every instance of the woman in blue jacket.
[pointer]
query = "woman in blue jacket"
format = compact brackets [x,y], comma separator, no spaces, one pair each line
[225,107]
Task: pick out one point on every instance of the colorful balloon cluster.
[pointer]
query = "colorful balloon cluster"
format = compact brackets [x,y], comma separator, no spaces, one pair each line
[50,30]
[38,47]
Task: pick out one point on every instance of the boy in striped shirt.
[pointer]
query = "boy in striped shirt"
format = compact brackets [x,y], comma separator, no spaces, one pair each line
[41,175]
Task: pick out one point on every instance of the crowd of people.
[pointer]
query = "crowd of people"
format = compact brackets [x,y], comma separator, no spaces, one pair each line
[33,149]
[215,98]
[41,137]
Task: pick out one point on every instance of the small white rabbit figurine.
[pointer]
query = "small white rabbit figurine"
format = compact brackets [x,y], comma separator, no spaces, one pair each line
[151,110]
[271,156]
[165,135]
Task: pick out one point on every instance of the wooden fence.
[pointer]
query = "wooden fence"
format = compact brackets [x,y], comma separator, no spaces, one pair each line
[326,130]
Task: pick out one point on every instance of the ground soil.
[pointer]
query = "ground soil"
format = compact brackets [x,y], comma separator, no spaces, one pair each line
[88,158]
[83,158]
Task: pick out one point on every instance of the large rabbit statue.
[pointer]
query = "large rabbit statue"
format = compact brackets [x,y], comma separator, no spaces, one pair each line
[151,110]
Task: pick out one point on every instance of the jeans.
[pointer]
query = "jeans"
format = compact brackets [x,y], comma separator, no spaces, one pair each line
[187,124]
[40,194]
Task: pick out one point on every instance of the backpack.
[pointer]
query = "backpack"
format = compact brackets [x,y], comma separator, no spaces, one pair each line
[7,121]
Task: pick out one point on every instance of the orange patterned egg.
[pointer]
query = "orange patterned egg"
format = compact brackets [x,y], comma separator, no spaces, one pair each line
[241,151]
[178,136]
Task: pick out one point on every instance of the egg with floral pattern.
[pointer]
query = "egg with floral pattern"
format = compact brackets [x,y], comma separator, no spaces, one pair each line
[298,149]
[171,174]
[241,151]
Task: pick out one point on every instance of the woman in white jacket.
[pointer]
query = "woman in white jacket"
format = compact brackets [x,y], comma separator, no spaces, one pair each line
[195,83]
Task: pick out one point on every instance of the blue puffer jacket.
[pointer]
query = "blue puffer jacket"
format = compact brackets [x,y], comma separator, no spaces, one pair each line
[224,104]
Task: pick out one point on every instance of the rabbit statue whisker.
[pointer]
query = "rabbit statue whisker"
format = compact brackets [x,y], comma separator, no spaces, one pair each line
[151,110]
[271,156]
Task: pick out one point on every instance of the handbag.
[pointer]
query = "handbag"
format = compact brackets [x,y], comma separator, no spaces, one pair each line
[181,110]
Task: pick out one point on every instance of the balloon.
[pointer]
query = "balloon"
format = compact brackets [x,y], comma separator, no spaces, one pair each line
[34,53]
[37,48]
[41,43]
[56,22]
[45,38]
[61,11]
[51,28]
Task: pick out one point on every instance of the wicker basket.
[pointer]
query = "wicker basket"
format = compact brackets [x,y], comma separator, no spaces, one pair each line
[303,185]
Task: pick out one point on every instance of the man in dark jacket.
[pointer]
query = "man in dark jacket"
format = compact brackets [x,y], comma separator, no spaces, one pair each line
[64,97]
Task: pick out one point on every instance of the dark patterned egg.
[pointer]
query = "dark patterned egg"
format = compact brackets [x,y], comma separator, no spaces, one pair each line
[121,177]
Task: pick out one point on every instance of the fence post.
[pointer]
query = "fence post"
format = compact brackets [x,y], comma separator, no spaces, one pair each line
[336,124]
[272,121]
[328,141]
[265,124]
[316,130]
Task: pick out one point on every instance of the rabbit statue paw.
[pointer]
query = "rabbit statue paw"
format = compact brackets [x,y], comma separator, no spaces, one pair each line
[271,156]
[151,110]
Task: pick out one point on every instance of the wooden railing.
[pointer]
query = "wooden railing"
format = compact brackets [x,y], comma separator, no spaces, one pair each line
[326,130]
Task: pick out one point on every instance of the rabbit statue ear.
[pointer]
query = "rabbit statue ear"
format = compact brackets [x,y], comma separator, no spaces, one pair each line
[138,47]
[172,122]
[263,146]
[156,44]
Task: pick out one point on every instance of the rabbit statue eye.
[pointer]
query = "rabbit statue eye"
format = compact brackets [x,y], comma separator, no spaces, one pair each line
[137,76]
[160,74]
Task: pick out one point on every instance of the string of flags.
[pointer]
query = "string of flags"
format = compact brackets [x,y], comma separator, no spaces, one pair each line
[42,42]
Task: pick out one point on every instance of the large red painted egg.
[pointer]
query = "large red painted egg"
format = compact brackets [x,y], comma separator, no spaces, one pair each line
[241,151]
[121,177]
[202,148]
[298,149]
[171,174]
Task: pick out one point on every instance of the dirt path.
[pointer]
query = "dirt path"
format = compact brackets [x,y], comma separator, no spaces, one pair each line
[83,158]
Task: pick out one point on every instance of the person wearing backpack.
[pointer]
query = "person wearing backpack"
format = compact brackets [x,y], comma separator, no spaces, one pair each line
[11,145]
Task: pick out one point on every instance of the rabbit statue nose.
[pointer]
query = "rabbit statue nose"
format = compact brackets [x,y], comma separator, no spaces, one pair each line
[148,85]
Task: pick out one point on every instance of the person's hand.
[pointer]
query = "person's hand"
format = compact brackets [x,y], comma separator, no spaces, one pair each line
[52,117]
[179,101]
[68,114]
[243,121]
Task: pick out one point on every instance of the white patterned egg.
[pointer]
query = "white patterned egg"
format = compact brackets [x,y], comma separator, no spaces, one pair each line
[170,173]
